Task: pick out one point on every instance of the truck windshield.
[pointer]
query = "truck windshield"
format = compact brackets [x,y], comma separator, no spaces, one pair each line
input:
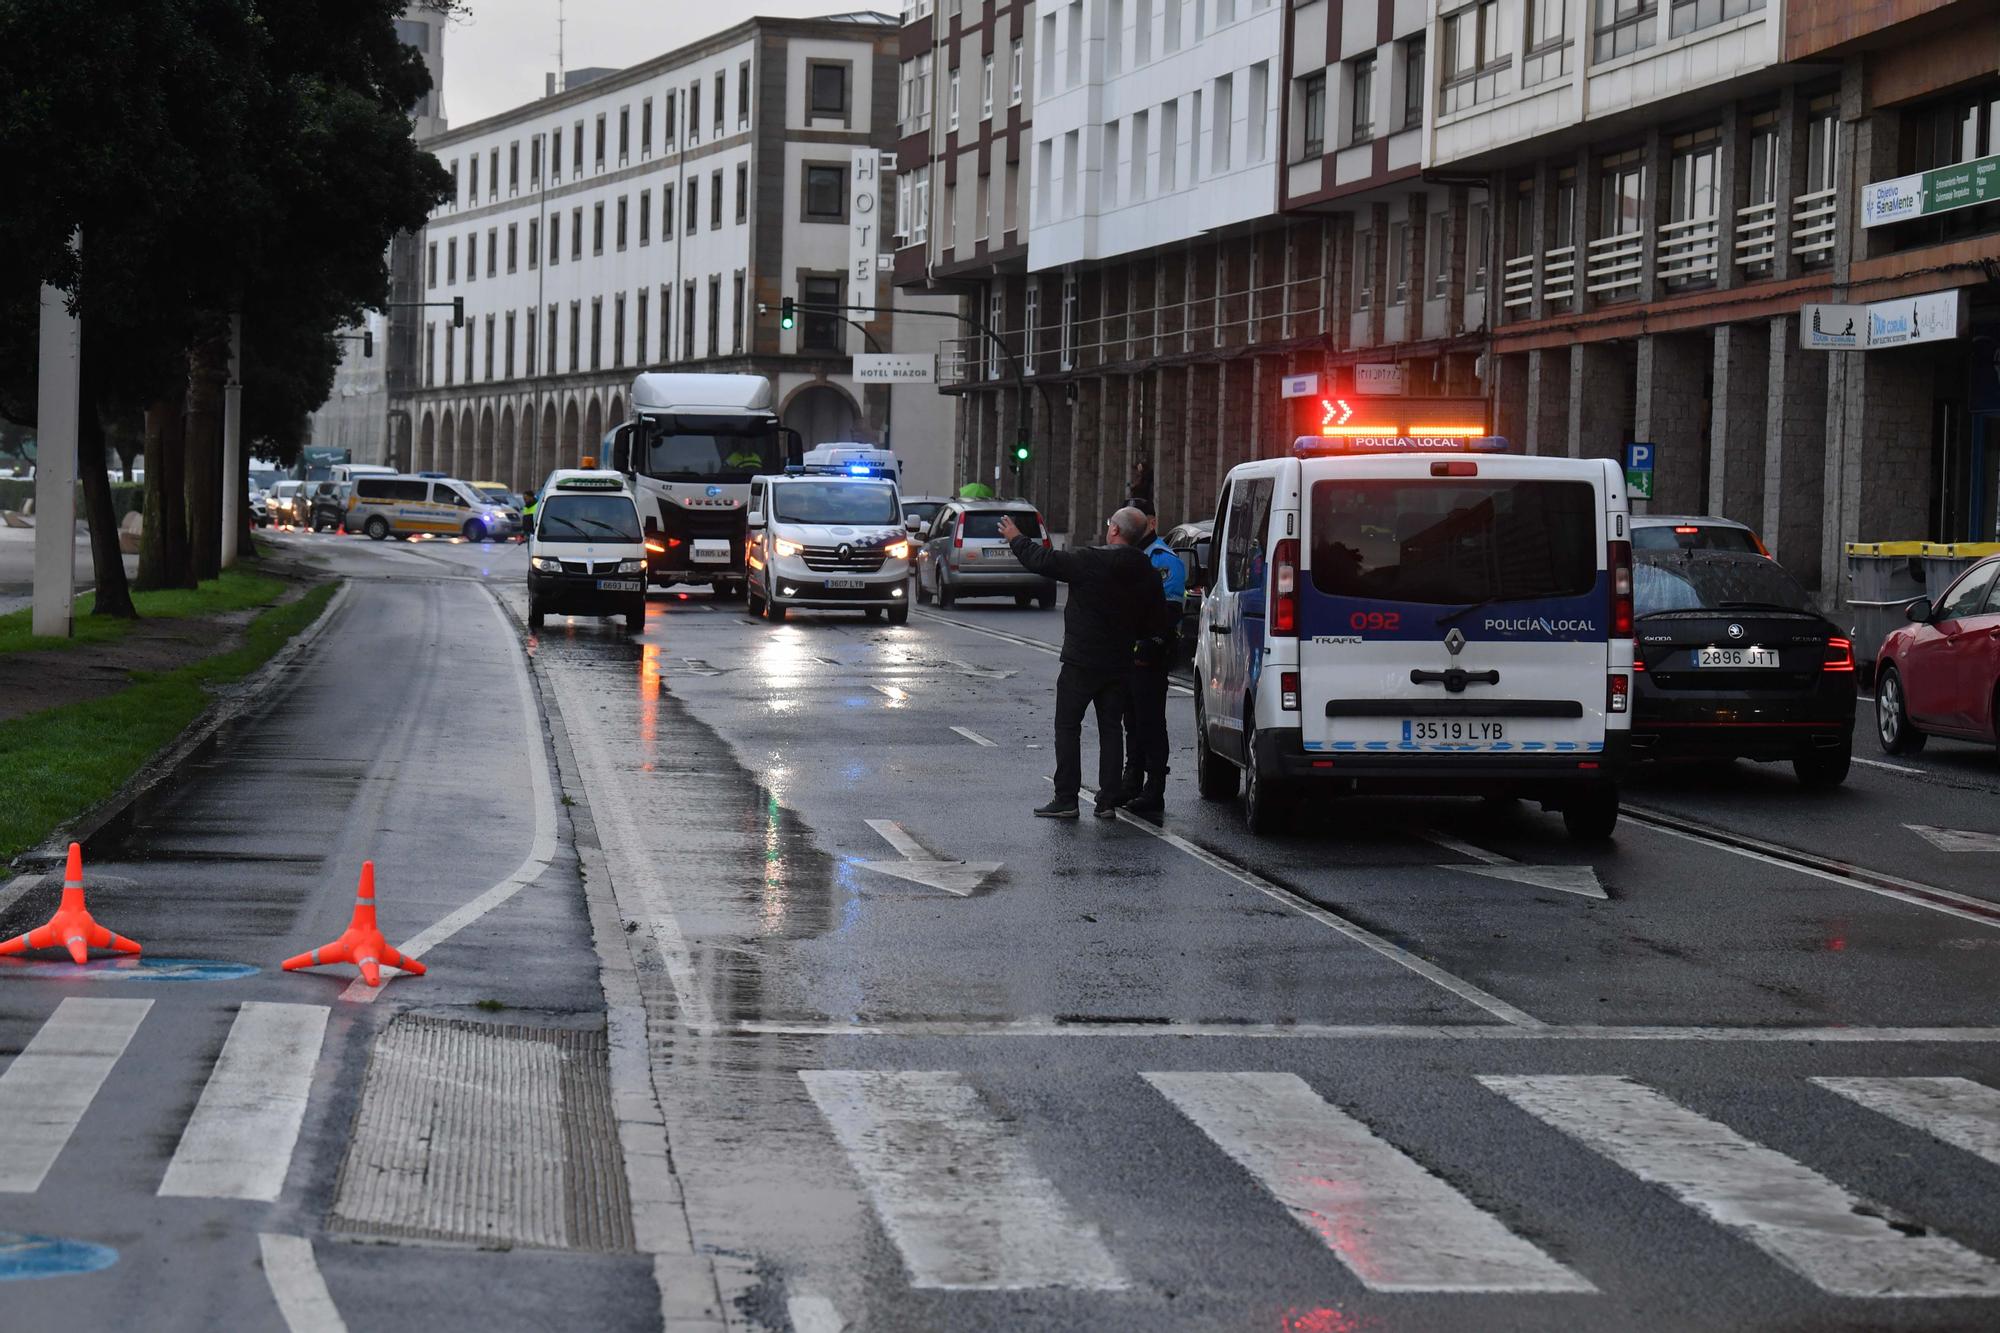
[834,502]
[710,448]
[1446,542]
[587,518]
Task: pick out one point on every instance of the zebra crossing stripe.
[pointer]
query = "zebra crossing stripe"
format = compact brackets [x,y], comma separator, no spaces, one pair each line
[1838,1241]
[50,1084]
[955,1187]
[238,1144]
[1393,1224]
[1957,1110]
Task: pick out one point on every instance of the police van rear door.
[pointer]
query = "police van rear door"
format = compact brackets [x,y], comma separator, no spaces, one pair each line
[1454,604]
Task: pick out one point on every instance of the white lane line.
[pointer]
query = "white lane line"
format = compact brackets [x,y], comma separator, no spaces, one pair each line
[895,694]
[895,835]
[1838,1241]
[1962,906]
[50,1084]
[1956,839]
[238,1144]
[814,1314]
[1049,1027]
[1957,1110]
[972,736]
[954,1185]
[13,889]
[1396,1226]
[1895,768]
[541,849]
[1395,953]
[1479,854]
[296,1284]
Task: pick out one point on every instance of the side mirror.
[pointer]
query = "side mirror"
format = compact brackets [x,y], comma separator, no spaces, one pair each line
[754,519]
[795,447]
[621,447]
[913,524]
[1919,611]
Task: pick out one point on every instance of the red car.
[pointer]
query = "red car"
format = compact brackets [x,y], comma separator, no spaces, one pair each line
[1940,675]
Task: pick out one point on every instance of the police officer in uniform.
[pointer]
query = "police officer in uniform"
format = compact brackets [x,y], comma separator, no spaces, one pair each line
[1146,744]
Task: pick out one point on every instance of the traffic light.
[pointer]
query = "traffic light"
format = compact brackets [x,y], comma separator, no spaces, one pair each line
[367,342]
[787,314]
[1022,452]
[458,312]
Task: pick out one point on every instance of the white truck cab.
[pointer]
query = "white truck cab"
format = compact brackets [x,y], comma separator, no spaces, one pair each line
[830,535]
[586,550]
[1418,615]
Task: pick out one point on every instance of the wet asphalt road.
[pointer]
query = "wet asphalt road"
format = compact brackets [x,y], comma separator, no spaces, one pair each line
[1048,1102]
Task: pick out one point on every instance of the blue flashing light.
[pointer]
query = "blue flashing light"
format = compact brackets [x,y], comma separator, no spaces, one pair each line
[860,470]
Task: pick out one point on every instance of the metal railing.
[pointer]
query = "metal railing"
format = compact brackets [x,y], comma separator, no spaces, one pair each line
[1612,264]
[1688,250]
[1559,275]
[1517,281]
[1814,216]
[1757,235]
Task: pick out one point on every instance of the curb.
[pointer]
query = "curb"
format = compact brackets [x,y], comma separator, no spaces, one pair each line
[115,816]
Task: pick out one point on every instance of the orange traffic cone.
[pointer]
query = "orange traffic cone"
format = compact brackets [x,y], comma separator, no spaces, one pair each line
[361,943]
[71,927]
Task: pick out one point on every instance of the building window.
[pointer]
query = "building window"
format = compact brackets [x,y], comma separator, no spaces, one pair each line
[1475,55]
[472,178]
[450,354]
[721,86]
[1547,55]
[624,134]
[687,323]
[1694,197]
[619,234]
[1621,195]
[1312,116]
[514,167]
[491,338]
[1016,59]
[549,336]
[472,257]
[618,331]
[599,159]
[596,333]
[715,316]
[826,193]
[1066,325]
[736,316]
[575,336]
[1437,254]
[492,252]
[996,314]
[597,228]
[555,155]
[1823,144]
[820,328]
[1692,15]
[986,88]
[694,129]
[493,174]
[826,86]
[1399,262]
[1361,99]
[1475,247]
[468,356]
[1142,32]
[513,250]
[576,151]
[743,96]
[530,348]
[454,182]
[1623,26]
[983,208]
[576,232]
[667,137]
[645,135]
[715,200]
[742,192]
[431,265]
[1364,269]
[666,324]
[951,101]
[915,93]
[1114,37]
[1225,122]
[451,262]
[645,217]
[555,238]
[666,220]
[430,354]
[639,327]
[535,161]
[693,208]
[1413,83]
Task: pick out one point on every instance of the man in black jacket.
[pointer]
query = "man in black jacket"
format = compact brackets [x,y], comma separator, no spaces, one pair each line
[1113,598]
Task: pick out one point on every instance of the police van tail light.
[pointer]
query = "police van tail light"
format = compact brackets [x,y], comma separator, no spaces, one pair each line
[1288,691]
[1285,588]
[1839,655]
[1620,562]
[1620,698]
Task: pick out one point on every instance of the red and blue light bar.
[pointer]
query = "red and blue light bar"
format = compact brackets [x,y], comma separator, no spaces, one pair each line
[1381,441]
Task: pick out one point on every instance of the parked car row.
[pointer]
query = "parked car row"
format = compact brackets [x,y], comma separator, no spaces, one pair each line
[381,504]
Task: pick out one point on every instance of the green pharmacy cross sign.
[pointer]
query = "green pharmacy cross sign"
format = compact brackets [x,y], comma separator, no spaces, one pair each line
[1928,192]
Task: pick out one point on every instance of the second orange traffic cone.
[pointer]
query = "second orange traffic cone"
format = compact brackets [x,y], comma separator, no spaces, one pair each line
[71,927]
[361,943]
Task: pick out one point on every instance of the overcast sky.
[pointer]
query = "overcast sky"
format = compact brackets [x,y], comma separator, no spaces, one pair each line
[498,56]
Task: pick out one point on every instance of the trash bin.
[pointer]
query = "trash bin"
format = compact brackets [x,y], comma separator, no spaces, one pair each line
[1883,579]
[1945,561]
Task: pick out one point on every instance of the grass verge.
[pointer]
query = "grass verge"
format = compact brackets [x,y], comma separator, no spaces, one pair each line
[236,590]
[62,762]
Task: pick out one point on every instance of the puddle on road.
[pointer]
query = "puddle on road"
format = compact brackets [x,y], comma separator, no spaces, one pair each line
[125,969]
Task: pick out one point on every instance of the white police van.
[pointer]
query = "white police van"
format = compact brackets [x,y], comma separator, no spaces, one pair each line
[829,534]
[1418,615]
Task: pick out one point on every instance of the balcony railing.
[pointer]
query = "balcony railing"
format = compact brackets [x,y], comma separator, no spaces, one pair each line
[1559,275]
[1688,251]
[1813,220]
[1757,236]
[1517,281]
[1612,264]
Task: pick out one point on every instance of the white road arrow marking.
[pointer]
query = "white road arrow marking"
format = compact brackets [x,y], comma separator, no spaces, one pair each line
[982,672]
[694,666]
[1580,880]
[921,866]
[1956,840]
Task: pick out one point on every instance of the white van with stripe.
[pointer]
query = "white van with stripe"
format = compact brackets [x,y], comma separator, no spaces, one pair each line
[1418,615]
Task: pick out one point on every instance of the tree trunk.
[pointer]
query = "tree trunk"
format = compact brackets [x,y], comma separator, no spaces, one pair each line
[163,550]
[208,367]
[114,595]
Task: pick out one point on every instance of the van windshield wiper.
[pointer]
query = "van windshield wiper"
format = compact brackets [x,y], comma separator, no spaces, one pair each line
[1466,610]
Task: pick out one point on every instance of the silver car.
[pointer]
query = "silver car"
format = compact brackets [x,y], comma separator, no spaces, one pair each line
[962,554]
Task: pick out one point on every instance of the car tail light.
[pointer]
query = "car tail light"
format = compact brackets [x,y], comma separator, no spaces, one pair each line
[1620,698]
[1839,655]
[1460,468]
[1638,662]
[1285,588]
[1288,691]
[958,533]
[1620,560]
[1686,529]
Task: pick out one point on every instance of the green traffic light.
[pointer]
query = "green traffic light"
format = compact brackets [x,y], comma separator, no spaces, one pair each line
[1021,453]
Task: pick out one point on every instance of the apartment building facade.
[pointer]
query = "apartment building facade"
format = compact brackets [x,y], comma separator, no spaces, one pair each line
[642,221]
[1714,234]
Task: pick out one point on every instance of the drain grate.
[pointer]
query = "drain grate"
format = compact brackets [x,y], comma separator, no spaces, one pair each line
[493,1134]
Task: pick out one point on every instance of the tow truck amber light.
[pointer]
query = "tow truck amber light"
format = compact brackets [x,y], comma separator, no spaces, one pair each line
[656,547]
[1288,691]
[1285,588]
[1839,655]
[1621,693]
[1619,558]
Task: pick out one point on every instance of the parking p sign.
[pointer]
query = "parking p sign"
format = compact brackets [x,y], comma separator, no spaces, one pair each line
[1639,470]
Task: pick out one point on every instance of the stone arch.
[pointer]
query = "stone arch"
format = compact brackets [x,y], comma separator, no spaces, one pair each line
[447,442]
[503,460]
[593,430]
[468,427]
[545,449]
[568,453]
[482,454]
[426,444]
[822,411]
[616,416]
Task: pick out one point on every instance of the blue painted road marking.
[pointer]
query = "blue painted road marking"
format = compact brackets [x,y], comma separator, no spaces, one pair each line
[128,969]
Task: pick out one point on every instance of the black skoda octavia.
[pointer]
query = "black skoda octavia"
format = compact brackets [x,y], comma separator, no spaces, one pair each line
[1732,662]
